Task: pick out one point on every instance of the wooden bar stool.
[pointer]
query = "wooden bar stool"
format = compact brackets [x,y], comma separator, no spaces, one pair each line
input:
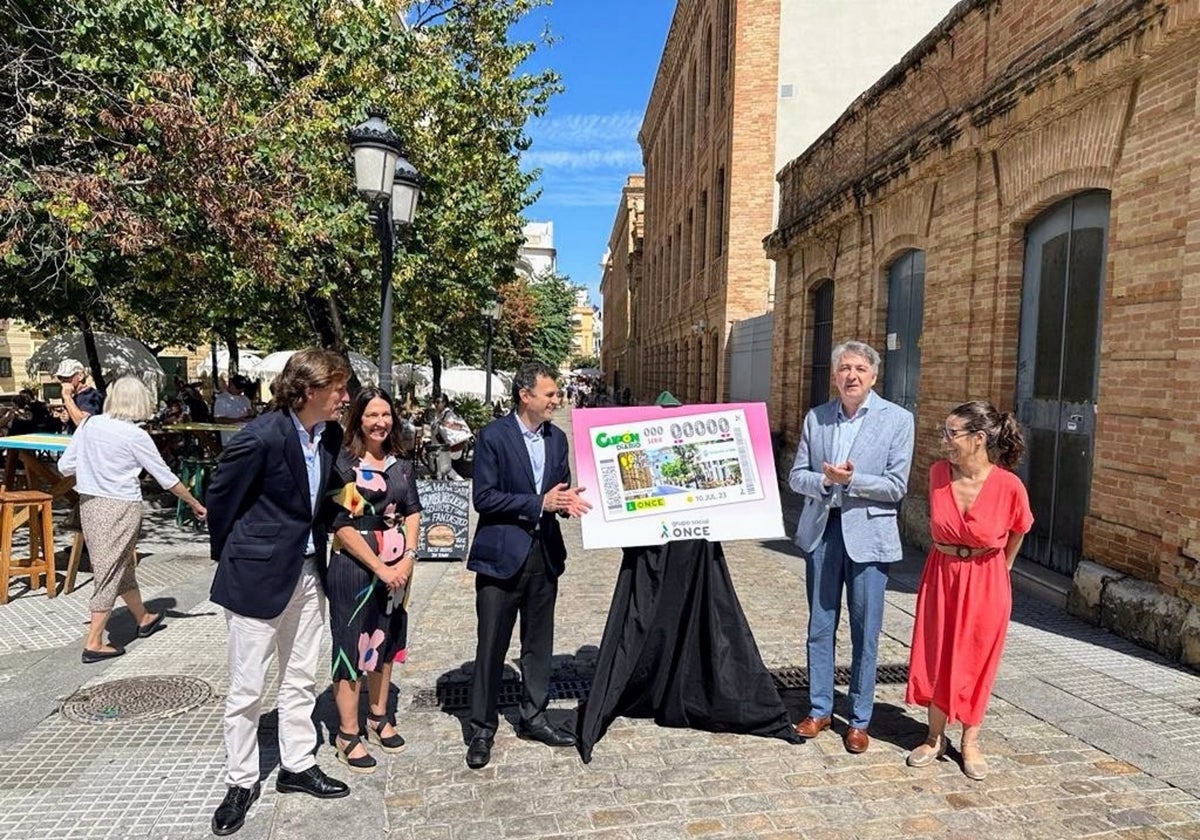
[35,508]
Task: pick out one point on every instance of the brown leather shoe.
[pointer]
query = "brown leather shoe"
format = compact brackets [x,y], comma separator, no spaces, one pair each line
[856,740]
[810,727]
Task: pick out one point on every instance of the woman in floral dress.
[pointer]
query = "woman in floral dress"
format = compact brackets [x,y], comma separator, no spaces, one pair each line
[376,513]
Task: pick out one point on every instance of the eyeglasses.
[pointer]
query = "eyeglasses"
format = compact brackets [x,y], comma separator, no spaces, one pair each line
[950,434]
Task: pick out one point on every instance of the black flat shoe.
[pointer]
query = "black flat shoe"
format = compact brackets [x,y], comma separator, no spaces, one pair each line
[312,781]
[90,656]
[231,813]
[546,734]
[479,752]
[151,628]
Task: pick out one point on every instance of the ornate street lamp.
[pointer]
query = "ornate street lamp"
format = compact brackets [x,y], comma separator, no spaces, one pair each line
[491,312]
[392,188]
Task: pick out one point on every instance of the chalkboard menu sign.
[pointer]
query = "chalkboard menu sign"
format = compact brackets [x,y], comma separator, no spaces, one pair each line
[445,510]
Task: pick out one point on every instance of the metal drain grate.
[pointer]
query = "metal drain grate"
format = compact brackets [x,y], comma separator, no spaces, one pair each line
[136,699]
[451,696]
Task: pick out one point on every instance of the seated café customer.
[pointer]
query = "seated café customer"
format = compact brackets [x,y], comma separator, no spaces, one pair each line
[79,398]
[978,515]
[232,405]
[107,455]
[375,523]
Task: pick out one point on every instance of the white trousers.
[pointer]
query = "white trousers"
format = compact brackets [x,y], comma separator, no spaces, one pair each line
[295,636]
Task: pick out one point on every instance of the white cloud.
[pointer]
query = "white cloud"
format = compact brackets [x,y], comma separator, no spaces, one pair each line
[585,159]
[587,129]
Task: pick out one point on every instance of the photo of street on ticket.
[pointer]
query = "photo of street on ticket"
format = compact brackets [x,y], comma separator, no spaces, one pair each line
[681,473]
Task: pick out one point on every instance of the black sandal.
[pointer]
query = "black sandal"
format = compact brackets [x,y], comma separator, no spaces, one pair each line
[363,764]
[390,744]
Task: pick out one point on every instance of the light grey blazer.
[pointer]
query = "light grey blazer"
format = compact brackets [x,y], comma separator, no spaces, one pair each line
[882,456]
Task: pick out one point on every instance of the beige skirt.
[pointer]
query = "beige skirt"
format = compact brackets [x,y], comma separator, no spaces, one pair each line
[110,527]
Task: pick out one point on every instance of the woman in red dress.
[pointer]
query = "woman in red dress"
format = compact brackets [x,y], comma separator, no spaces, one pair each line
[978,515]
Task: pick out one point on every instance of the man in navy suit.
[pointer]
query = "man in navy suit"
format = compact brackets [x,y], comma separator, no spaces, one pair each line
[268,540]
[521,480]
[852,466]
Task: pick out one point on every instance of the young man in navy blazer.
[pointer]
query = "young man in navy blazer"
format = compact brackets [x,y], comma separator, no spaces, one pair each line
[268,538]
[852,466]
[521,480]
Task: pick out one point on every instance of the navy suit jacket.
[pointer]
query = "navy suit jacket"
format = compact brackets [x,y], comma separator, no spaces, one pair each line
[260,515]
[509,504]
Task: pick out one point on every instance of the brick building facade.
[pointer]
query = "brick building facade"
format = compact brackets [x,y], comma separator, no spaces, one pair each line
[1013,213]
[620,285]
[708,145]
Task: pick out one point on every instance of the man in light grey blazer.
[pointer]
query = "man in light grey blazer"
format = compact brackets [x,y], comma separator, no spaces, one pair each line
[852,468]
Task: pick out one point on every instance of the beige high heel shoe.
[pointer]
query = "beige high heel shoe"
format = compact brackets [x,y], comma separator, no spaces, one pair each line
[927,753]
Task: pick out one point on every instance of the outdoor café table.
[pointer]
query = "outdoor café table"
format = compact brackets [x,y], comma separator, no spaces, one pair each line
[203,433]
[42,476]
[39,475]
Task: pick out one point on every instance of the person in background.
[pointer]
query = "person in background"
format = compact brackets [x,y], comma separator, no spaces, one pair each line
[978,517]
[79,398]
[197,408]
[232,405]
[107,455]
[852,467]
[376,519]
[267,533]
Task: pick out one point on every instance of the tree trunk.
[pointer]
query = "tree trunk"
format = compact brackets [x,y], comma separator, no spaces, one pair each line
[435,363]
[93,355]
[326,320]
[229,336]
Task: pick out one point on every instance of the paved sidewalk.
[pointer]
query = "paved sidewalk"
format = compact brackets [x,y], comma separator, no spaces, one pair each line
[1088,735]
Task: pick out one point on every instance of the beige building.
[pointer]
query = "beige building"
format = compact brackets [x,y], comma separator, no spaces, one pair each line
[619,288]
[585,327]
[1012,214]
[708,145]
[742,87]
[18,342]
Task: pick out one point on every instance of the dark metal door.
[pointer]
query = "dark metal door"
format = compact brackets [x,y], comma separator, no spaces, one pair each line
[822,343]
[1058,367]
[905,316]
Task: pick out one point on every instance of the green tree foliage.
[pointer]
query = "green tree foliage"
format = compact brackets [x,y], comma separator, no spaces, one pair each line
[170,169]
[553,298]
[579,362]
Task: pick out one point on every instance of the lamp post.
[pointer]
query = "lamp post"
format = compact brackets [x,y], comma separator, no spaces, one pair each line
[491,315]
[392,188]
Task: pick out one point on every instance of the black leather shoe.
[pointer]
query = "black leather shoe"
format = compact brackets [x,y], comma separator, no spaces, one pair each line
[231,813]
[479,752]
[545,733]
[312,781]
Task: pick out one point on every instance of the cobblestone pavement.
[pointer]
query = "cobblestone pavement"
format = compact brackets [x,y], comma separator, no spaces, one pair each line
[1087,736]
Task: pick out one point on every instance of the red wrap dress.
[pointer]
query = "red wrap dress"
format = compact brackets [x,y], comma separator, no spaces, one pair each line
[963,605]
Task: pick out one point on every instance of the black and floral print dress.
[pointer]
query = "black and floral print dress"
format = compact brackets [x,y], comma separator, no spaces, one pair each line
[369,623]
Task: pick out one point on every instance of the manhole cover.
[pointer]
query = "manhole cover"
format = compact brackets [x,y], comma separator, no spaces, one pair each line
[136,699]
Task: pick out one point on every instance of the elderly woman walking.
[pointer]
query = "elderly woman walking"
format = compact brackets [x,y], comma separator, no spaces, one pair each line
[107,455]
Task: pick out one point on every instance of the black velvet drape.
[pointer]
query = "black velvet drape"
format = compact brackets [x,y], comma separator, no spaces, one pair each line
[677,648]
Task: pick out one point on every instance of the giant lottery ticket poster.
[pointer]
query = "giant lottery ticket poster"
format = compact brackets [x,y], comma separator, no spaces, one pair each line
[658,474]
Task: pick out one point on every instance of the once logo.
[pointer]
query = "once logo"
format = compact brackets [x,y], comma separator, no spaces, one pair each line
[689,530]
[625,440]
[645,504]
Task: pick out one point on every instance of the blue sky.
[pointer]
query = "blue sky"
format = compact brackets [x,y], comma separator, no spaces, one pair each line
[607,53]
